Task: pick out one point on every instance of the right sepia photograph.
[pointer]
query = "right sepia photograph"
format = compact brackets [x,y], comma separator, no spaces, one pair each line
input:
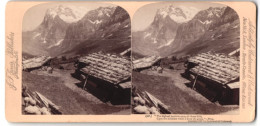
[185,59]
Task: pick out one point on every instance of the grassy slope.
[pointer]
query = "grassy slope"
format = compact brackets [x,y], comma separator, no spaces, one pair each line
[180,102]
[70,102]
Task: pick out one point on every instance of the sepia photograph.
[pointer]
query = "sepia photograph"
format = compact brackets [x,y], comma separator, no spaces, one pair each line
[130,62]
[76,59]
[186,59]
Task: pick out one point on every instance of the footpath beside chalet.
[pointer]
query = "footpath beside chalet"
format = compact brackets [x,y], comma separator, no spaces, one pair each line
[216,76]
[108,72]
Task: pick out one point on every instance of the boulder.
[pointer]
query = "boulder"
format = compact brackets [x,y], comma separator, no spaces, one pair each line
[32,102]
[141,109]
[44,111]
[32,110]
[141,101]
[29,100]
[136,99]
[153,110]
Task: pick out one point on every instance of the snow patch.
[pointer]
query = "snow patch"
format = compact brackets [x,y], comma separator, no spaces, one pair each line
[154,40]
[109,35]
[164,13]
[179,14]
[147,34]
[205,22]
[36,35]
[96,21]
[210,14]
[235,26]
[219,36]
[44,41]
[100,13]
[169,42]
[59,42]
[56,44]
[107,14]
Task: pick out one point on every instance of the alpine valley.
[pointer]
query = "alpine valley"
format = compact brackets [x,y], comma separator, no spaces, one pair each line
[70,31]
[181,31]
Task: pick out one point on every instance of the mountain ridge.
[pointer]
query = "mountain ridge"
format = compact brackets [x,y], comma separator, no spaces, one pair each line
[174,39]
[54,36]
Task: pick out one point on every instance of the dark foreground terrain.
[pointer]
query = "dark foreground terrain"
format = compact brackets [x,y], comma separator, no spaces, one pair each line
[170,88]
[62,90]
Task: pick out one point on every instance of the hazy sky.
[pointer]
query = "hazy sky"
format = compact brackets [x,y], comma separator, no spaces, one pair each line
[144,16]
[34,16]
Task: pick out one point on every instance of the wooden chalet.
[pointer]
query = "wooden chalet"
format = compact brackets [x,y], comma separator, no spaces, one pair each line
[146,62]
[36,62]
[216,76]
[108,72]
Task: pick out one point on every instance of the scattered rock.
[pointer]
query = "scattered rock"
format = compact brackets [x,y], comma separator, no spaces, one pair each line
[29,100]
[32,110]
[32,102]
[141,109]
[153,110]
[141,101]
[136,99]
[44,111]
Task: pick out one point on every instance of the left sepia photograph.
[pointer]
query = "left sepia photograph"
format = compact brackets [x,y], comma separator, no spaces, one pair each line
[76,59]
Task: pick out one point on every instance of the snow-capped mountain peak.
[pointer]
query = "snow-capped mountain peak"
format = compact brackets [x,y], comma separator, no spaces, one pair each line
[179,14]
[68,14]
[215,11]
[105,11]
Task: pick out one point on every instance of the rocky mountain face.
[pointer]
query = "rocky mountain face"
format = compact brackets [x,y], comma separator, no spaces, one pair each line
[51,31]
[65,30]
[222,36]
[178,27]
[163,30]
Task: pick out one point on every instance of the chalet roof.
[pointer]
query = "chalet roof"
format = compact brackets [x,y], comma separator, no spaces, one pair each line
[145,62]
[216,67]
[35,62]
[111,68]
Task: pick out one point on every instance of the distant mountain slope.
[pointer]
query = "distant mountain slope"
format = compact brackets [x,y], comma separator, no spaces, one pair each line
[163,29]
[223,36]
[67,31]
[111,35]
[213,26]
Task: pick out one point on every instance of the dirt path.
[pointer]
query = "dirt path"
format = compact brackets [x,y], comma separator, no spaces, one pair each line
[171,89]
[179,81]
[70,82]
